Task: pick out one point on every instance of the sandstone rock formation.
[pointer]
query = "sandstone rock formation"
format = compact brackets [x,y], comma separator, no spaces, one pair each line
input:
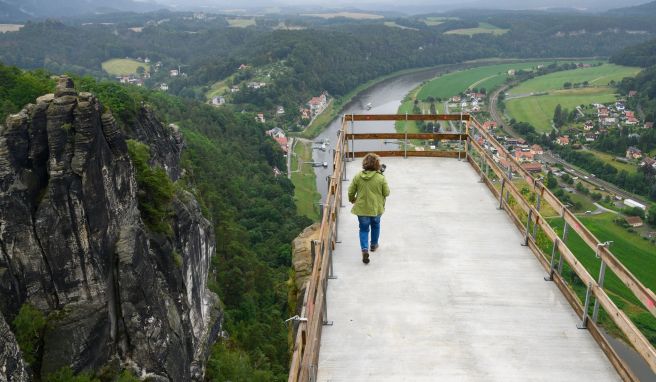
[73,245]
[302,259]
[12,368]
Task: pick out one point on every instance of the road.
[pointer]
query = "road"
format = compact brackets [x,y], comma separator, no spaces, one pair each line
[494,110]
[585,176]
[290,153]
[549,157]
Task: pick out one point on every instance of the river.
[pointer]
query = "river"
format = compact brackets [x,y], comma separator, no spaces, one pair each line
[385,98]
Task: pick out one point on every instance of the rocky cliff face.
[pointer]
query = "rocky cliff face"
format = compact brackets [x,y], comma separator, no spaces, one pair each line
[73,245]
[12,368]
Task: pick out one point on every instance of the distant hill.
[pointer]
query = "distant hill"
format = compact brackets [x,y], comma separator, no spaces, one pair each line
[23,10]
[642,55]
[647,9]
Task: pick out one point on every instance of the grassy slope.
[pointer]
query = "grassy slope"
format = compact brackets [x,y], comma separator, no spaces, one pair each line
[241,22]
[393,24]
[218,88]
[482,28]
[596,76]
[120,66]
[638,255]
[487,77]
[539,110]
[610,159]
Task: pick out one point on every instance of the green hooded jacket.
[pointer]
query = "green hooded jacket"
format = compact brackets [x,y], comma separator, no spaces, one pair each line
[368,191]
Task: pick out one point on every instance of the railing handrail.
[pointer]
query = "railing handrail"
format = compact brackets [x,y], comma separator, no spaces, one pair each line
[644,294]
[633,334]
[307,342]
[306,347]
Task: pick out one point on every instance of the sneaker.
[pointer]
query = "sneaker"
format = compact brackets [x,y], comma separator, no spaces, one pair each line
[365,256]
[374,247]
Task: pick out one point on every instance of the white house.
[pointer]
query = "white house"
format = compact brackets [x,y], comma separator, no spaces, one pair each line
[218,100]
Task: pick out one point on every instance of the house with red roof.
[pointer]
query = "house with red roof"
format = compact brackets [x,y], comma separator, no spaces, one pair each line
[524,155]
[282,141]
[488,125]
[602,112]
[563,141]
[630,118]
[532,166]
[589,125]
[317,104]
[633,153]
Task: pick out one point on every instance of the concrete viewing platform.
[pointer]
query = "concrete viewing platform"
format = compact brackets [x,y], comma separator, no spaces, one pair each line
[450,295]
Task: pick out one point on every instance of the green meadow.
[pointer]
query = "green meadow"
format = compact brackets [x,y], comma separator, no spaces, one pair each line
[482,28]
[488,77]
[539,110]
[123,66]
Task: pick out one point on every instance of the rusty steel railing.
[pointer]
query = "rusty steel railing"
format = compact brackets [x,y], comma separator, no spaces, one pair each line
[524,214]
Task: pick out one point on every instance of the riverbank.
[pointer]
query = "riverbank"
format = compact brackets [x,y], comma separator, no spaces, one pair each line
[303,177]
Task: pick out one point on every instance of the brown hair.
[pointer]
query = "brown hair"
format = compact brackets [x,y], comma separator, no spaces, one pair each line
[371,162]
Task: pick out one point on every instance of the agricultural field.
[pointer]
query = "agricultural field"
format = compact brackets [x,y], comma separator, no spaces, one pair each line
[482,28]
[585,202]
[598,76]
[123,66]
[393,24]
[240,22]
[10,27]
[348,15]
[539,110]
[610,159]
[488,77]
[432,21]
[637,254]
[218,88]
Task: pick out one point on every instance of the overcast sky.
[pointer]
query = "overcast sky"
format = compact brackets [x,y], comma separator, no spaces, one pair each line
[427,5]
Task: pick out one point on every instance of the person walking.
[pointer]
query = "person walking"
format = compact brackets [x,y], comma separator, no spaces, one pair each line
[368,192]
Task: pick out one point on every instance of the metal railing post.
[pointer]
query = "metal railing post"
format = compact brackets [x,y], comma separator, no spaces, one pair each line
[312,373]
[480,166]
[405,145]
[602,276]
[510,180]
[331,271]
[313,250]
[467,138]
[600,280]
[584,319]
[352,138]
[537,206]
[460,137]
[565,235]
[528,226]
[552,262]
[503,185]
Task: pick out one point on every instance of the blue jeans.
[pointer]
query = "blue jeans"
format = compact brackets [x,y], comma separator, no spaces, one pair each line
[365,223]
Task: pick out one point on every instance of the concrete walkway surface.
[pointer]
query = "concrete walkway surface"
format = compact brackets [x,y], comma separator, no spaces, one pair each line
[450,295]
